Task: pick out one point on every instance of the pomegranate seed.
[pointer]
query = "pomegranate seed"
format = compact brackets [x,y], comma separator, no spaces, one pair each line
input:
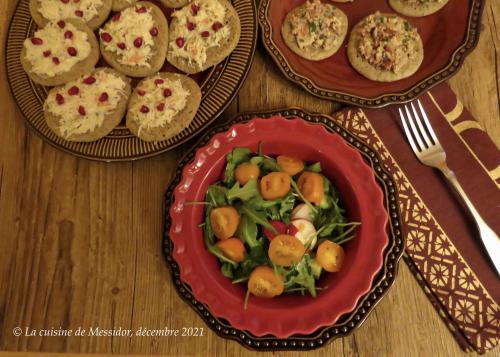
[36,41]
[73,90]
[154,32]
[205,34]
[159,81]
[141,92]
[59,99]
[121,45]
[144,109]
[160,107]
[103,97]
[61,24]
[140,10]
[106,37]
[89,80]
[68,35]
[180,42]
[190,26]
[167,93]
[47,53]
[216,26]
[116,16]
[81,110]
[55,60]
[138,42]
[72,51]
[79,13]
[195,8]
[65,1]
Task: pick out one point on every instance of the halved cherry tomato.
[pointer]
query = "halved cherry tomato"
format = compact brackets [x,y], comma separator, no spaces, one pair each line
[311,187]
[290,165]
[233,249]
[224,221]
[280,227]
[246,172]
[264,282]
[285,250]
[330,256]
[275,185]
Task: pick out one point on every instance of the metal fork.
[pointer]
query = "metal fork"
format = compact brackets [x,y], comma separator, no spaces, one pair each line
[427,148]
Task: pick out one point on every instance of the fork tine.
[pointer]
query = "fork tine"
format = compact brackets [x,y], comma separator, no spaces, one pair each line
[428,124]
[408,132]
[414,129]
[428,143]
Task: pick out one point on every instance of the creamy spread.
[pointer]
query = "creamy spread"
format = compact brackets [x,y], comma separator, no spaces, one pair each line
[54,10]
[201,25]
[388,43]
[316,24]
[130,35]
[82,105]
[56,49]
[158,101]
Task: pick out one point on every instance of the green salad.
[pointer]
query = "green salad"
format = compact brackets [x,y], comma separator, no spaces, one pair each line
[275,224]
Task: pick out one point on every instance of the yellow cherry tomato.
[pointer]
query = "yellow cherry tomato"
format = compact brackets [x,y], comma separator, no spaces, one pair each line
[330,256]
[246,172]
[311,187]
[224,221]
[233,249]
[264,282]
[290,165]
[285,250]
[275,185]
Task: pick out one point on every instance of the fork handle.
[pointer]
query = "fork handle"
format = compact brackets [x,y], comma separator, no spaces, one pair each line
[490,239]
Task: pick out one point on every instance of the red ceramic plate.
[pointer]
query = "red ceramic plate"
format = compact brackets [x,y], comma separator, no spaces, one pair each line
[448,36]
[292,314]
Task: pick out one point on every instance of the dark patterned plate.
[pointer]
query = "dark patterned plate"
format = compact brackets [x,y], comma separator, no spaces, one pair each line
[448,36]
[347,322]
[219,85]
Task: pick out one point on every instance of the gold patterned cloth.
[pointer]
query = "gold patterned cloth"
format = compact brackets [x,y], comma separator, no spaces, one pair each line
[443,249]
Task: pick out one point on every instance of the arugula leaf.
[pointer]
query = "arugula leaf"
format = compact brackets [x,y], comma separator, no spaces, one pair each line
[248,191]
[227,270]
[266,163]
[316,167]
[260,204]
[216,195]
[257,217]
[207,229]
[234,158]
[247,231]
[273,213]
[286,207]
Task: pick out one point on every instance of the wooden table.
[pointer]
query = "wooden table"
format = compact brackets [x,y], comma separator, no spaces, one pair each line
[81,241]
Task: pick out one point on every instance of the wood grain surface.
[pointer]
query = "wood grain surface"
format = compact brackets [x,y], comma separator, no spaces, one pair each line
[80,241]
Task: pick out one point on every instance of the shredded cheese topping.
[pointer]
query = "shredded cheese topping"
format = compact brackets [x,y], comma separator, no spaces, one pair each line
[86,110]
[54,10]
[202,24]
[56,49]
[388,43]
[157,101]
[130,36]
[316,24]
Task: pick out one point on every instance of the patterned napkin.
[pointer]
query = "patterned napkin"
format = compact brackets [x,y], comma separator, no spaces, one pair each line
[443,249]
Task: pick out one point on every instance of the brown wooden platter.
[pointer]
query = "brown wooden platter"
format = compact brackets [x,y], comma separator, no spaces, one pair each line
[448,36]
[219,86]
[348,322]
